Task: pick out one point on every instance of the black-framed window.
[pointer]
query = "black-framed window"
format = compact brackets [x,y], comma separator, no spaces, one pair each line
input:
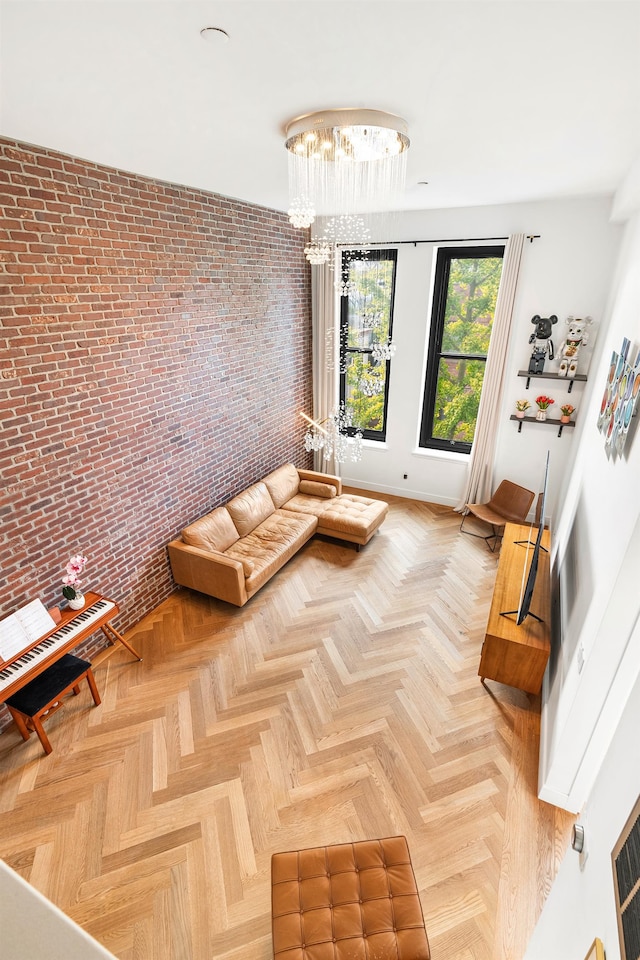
[464,300]
[366,322]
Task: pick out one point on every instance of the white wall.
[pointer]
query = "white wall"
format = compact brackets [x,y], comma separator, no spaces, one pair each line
[32,927]
[590,757]
[598,558]
[567,271]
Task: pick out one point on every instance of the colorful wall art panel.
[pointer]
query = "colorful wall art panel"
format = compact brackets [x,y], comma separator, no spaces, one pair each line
[619,398]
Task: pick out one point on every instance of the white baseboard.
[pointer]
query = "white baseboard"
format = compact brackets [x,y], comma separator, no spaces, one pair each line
[400,492]
[557,799]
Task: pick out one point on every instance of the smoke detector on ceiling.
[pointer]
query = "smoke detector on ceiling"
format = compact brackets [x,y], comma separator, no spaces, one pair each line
[214,35]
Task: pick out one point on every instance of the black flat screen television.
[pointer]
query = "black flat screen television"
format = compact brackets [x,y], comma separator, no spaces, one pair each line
[524,608]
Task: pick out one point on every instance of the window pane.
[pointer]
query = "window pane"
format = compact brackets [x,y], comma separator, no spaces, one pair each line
[465,293]
[472,291]
[457,398]
[370,285]
[365,391]
[366,320]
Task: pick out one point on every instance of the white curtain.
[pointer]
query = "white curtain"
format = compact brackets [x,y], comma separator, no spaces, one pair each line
[325,354]
[479,486]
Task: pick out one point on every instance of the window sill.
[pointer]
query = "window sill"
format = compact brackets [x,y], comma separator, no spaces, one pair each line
[433,454]
[375,444]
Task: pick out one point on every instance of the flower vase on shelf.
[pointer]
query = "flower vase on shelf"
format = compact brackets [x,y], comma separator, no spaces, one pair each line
[565,419]
[542,403]
[520,414]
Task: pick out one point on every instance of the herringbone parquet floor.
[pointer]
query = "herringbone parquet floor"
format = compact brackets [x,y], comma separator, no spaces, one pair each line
[341,703]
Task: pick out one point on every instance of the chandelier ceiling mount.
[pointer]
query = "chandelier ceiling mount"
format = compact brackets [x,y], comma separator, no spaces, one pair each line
[344,163]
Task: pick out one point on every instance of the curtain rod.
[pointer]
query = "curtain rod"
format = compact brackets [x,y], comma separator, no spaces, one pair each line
[383,243]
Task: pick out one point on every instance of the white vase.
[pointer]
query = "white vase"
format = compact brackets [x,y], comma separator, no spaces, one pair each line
[77,603]
[541,415]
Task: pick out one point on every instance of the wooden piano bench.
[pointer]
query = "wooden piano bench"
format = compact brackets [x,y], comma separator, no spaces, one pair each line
[43,695]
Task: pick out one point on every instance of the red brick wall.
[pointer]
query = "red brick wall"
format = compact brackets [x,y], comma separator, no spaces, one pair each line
[156,350]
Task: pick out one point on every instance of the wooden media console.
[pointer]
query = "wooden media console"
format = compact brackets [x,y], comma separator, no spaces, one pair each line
[512,654]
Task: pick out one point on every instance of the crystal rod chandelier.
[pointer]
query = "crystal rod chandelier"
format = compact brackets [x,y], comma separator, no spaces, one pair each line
[331,437]
[343,165]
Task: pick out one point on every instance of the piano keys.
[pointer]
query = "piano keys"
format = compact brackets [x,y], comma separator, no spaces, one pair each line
[72,630]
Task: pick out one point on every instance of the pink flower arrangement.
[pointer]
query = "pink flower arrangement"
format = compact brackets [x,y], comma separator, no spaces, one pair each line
[71,580]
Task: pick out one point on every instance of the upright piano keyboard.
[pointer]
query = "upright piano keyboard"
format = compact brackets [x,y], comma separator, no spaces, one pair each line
[70,632]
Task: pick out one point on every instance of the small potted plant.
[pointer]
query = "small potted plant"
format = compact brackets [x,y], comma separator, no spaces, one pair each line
[521,408]
[72,584]
[566,410]
[543,403]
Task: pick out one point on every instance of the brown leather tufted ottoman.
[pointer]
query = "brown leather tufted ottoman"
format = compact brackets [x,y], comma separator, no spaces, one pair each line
[350,901]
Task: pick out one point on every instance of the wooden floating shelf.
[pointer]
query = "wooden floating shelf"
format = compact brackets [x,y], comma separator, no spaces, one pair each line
[555,423]
[551,376]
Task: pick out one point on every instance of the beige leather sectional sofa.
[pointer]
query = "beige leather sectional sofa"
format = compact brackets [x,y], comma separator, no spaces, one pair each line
[231,552]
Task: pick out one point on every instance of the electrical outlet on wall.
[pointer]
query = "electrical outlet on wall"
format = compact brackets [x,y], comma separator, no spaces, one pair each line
[584,853]
[580,840]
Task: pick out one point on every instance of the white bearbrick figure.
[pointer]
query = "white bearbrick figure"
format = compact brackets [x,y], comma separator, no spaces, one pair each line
[570,348]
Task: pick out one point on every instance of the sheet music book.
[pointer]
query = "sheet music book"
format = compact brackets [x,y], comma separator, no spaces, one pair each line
[24,628]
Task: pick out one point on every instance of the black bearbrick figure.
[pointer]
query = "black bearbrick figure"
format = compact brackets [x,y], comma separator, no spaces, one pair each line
[542,342]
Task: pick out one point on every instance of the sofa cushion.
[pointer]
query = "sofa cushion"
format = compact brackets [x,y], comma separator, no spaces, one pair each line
[215,531]
[250,508]
[303,503]
[271,544]
[282,484]
[315,488]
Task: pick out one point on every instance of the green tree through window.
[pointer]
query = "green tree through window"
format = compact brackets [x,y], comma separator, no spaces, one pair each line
[366,319]
[464,300]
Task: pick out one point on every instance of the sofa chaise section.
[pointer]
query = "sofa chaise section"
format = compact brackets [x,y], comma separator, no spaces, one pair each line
[343,516]
[347,517]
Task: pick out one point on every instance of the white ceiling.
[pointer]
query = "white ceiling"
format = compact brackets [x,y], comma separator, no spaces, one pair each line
[505,101]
